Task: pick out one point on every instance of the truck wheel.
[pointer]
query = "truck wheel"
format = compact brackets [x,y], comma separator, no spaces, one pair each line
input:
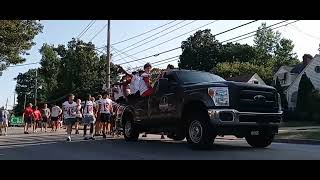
[199,132]
[260,141]
[130,133]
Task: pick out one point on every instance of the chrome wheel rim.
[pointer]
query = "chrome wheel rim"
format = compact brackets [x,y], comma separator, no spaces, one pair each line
[195,131]
[127,128]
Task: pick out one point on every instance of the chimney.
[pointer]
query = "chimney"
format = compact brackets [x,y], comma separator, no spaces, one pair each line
[306,59]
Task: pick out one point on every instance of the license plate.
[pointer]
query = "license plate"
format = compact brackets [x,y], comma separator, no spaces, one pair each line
[254,133]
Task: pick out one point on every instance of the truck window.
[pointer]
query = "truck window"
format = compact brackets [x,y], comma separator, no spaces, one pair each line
[190,77]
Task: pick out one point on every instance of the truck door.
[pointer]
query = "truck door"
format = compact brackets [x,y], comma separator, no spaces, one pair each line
[172,100]
[156,108]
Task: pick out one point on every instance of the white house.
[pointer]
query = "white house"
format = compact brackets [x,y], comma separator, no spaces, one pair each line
[312,69]
[285,76]
[251,78]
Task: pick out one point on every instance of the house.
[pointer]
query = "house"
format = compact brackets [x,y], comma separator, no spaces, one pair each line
[285,76]
[250,78]
[312,68]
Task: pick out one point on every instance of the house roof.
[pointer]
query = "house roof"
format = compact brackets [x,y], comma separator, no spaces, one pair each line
[243,78]
[298,68]
[303,70]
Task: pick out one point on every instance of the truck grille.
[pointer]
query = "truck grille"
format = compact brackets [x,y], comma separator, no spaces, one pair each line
[257,100]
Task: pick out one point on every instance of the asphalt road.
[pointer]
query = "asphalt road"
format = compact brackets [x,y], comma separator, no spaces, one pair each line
[52,146]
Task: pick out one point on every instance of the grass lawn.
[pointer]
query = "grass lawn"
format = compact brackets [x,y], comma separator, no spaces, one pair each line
[311,134]
[299,123]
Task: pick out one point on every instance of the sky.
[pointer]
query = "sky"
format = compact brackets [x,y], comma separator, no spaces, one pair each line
[305,35]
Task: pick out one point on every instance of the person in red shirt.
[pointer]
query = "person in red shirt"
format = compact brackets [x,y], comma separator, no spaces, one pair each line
[27,117]
[36,118]
[146,88]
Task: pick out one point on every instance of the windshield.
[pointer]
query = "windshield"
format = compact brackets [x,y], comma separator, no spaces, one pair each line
[191,77]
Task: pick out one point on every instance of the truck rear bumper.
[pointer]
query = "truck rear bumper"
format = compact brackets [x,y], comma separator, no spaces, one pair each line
[234,117]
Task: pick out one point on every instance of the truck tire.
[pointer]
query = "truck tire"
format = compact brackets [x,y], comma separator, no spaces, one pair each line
[199,131]
[260,141]
[129,131]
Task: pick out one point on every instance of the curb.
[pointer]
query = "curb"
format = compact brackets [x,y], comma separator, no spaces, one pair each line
[298,141]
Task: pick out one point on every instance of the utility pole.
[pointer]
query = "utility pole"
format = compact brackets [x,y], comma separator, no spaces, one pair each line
[14,99]
[7,104]
[25,101]
[108,57]
[36,89]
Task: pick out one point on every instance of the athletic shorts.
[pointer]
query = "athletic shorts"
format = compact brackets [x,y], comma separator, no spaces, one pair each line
[44,119]
[54,118]
[88,119]
[70,121]
[28,120]
[105,117]
[78,119]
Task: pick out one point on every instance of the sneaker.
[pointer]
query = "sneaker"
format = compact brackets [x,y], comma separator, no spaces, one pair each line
[68,139]
[85,138]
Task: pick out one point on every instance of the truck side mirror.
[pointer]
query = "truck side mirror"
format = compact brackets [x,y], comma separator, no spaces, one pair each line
[163,84]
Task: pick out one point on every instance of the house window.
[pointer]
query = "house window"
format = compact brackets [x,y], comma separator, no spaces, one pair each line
[317,69]
[255,82]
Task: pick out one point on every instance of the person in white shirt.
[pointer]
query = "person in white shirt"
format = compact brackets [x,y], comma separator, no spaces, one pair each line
[78,115]
[69,114]
[56,111]
[105,110]
[88,117]
[4,121]
[45,113]
[98,121]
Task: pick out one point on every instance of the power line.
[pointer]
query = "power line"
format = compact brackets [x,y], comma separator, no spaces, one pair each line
[154,35]
[152,55]
[173,38]
[213,35]
[158,65]
[257,30]
[86,29]
[254,31]
[118,52]
[99,32]
[158,37]
[162,60]
[23,65]
[143,33]
[307,34]
[235,28]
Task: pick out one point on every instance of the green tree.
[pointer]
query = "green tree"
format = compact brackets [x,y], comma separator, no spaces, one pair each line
[50,64]
[284,55]
[199,51]
[272,49]
[16,37]
[304,93]
[232,69]
[26,86]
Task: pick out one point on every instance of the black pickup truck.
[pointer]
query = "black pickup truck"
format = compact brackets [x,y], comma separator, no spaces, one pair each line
[200,106]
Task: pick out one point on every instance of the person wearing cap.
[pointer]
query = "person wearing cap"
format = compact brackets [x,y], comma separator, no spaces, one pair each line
[69,108]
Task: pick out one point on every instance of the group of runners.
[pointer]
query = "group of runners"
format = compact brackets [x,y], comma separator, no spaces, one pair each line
[97,115]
